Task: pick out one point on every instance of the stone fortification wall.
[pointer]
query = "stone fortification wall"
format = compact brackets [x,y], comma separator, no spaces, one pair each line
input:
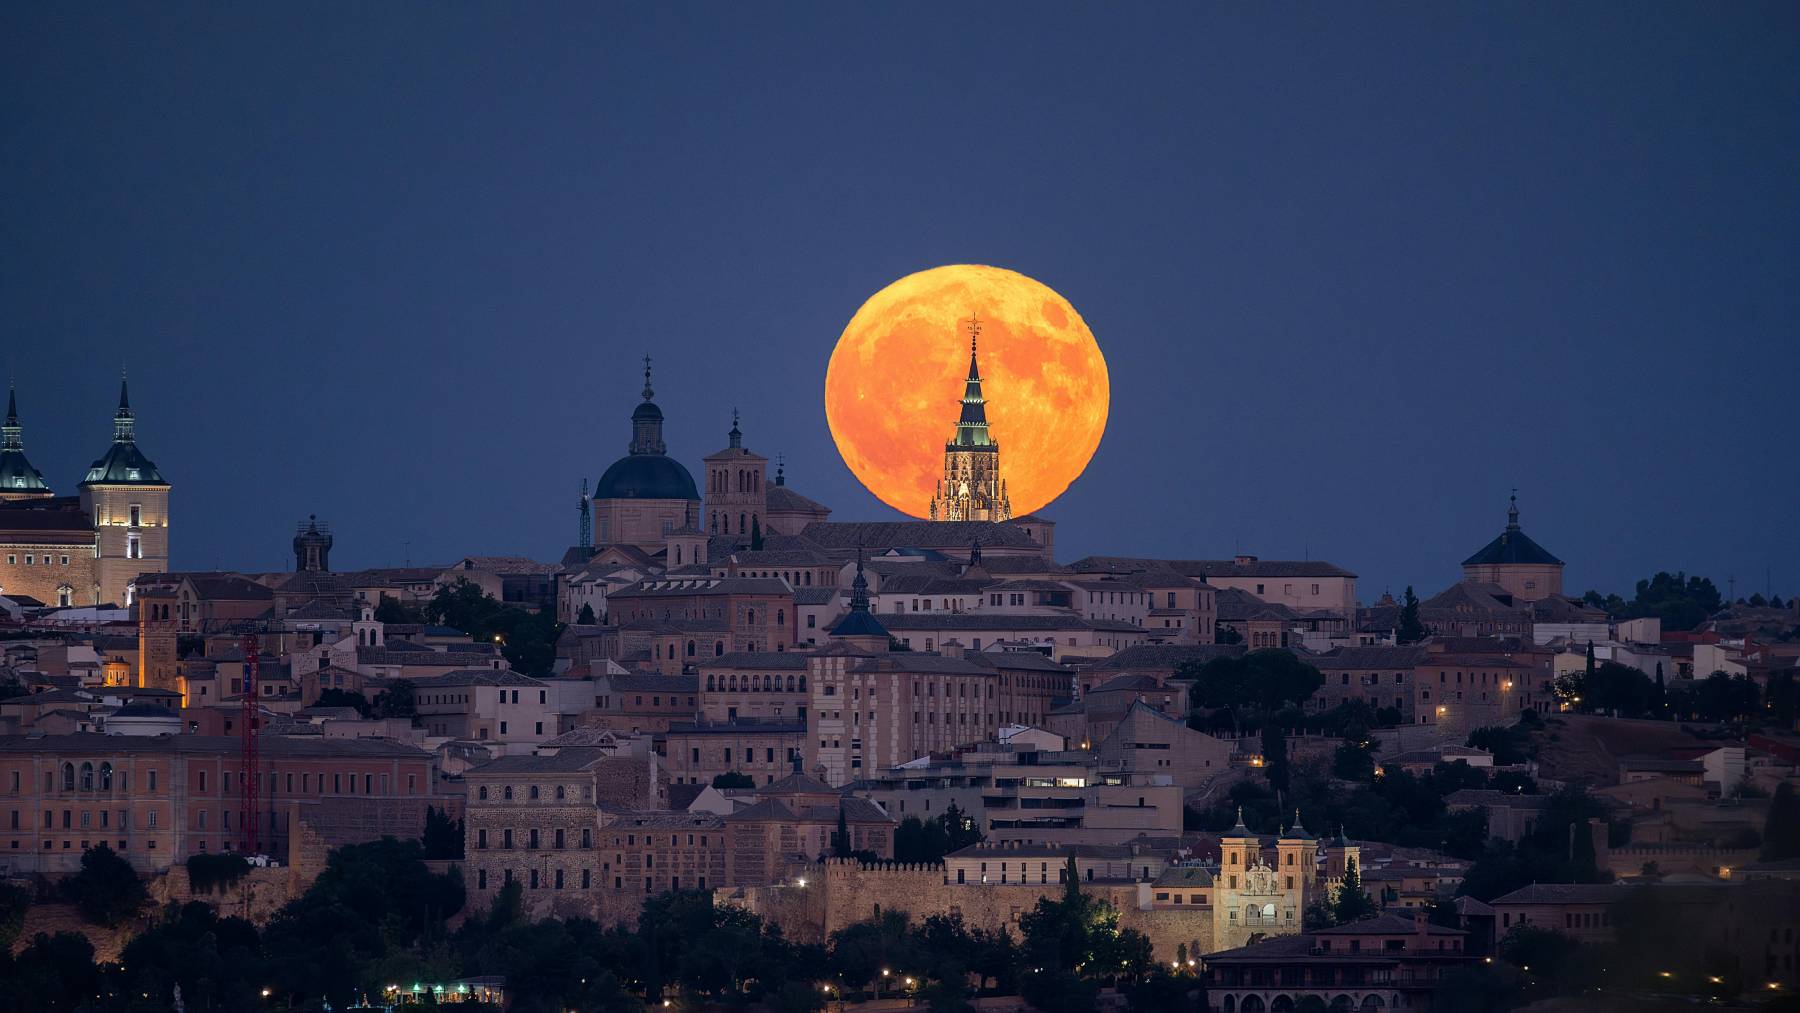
[256,897]
[841,892]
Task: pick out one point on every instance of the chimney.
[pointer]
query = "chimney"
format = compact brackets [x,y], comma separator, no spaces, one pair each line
[950,648]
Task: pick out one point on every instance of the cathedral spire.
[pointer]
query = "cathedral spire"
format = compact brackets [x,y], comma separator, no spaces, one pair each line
[123,422]
[11,428]
[971,425]
[859,587]
[1512,512]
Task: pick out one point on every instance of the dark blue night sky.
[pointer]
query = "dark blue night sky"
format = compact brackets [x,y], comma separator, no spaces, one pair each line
[1357,270]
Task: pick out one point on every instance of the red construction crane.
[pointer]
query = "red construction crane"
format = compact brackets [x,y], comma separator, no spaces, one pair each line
[250,773]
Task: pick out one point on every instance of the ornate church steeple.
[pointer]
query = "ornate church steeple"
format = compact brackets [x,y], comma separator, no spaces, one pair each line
[123,422]
[971,489]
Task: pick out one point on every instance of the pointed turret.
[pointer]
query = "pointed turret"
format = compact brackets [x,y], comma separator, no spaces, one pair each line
[18,479]
[859,625]
[124,463]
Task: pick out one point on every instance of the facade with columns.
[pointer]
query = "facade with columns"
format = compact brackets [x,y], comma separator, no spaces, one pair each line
[89,548]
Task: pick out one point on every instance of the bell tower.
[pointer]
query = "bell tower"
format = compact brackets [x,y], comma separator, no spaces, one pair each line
[128,499]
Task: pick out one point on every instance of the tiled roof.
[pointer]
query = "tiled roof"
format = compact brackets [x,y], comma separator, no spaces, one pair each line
[1562,893]
[477,677]
[1169,655]
[875,535]
[1212,567]
[983,621]
[687,586]
[780,498]
[1386,925]
[503,564]
[88,742]
[647,682]
[564,761]
[757,660]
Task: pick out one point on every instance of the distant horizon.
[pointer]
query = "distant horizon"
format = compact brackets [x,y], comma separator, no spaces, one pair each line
[1356,275]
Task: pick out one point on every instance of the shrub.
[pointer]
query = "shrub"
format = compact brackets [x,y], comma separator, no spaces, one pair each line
[208,873]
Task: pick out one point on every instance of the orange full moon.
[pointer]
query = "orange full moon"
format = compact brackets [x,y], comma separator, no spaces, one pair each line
[894,387]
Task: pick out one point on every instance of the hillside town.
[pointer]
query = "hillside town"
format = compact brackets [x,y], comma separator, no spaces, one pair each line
[728,746]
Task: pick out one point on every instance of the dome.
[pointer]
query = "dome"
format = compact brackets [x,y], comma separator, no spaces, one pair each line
[646,410]
[646,476]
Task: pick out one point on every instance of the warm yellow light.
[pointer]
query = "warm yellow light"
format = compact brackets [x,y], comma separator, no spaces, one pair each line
[895,377]
[884,972]
[1665,974]
[800,882]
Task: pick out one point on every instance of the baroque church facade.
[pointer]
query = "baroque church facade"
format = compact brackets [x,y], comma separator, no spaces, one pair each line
[89,548]
[972,488]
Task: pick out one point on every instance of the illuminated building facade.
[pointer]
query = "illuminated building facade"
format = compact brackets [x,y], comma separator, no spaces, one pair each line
[87,549]
[971,489]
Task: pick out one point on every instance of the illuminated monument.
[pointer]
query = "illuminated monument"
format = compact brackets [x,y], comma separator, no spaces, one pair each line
[971,489]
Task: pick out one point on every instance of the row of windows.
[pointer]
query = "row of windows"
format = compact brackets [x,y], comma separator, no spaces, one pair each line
[553,880]
[757,683]
[12,559]
[87,819]
[530,791]
[558,840]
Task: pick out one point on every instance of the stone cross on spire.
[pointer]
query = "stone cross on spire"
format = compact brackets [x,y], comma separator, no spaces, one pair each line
[648,393]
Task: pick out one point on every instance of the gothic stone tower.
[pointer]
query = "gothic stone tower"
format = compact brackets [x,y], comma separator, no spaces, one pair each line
[971,489]
[736,498]
[128,499]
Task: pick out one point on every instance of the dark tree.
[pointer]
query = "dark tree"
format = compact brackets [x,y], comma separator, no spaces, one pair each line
[443,836]
[1275,758]
[756,538]
[1411,628]
[15,900]
[1680,601]
[840,840]
[1351,903]
[106,890]
[1255,684]
[586,616]
[733,779]
[391,610]
[1781,832]
[398,700]
[334,697]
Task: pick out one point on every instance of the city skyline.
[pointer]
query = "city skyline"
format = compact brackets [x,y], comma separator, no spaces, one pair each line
[441,269]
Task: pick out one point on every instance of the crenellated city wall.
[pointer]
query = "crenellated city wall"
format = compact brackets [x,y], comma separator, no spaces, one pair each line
[841,892]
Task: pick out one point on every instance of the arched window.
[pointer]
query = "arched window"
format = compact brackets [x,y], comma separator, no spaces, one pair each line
[534,791]
[678,554]
[781,617]
[68,777]
[690,648]
[743,527]
[508,792]
[808,576]
[87,777]
[561,792]
[482,793]
[718,648]
[752,616]
[790,684]
[709,684]
[106,776]
[803,684]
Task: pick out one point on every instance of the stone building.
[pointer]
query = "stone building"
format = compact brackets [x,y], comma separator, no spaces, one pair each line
[1525,569]
[760,686]
[972,488]
[789,512]
[1380,963]
[90,548]
[763,750]
[538,819]
[686,620]
[646,494]
[736,498]
[158,799]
